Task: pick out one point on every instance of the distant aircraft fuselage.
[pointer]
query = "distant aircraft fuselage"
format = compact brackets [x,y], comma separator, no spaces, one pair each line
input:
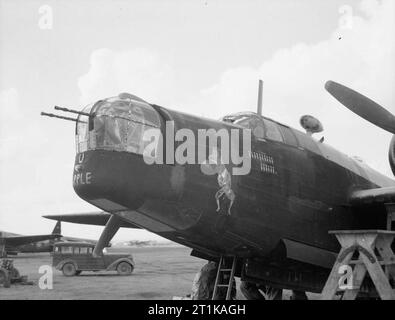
[14,243]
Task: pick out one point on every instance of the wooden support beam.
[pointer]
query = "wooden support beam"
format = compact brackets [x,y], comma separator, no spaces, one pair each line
[380,267]
[390,207]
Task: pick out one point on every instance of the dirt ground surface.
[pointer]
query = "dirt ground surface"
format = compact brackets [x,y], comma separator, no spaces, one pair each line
[160,273]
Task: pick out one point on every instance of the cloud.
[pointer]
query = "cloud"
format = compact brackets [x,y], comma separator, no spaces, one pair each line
[361,57]
[9,112]
[8,103]
[32,180]
[138,71]
[45,183]
[359,54]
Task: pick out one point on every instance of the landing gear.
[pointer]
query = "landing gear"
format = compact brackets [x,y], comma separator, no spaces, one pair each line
[250,291]
[203,284]
[253,291]
[271,293]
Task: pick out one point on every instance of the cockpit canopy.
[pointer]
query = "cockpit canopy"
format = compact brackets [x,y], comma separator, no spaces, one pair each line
[116,123]
[261,127]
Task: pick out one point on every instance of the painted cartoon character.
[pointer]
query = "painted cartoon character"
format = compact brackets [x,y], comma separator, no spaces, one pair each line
[214,165]
[225,182]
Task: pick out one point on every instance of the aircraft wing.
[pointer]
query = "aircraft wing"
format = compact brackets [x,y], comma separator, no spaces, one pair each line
[373,196]
[20,240]
[92,218]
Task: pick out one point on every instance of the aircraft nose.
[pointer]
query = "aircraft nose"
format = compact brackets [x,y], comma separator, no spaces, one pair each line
[123,182]
[124,178]
[118,169]
[110,148]
[106,176]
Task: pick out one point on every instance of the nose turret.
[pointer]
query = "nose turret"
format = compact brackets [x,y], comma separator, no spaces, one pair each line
[117,124]
[110,149]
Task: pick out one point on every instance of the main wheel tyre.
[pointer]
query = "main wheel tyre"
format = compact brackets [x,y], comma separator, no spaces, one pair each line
[69,269]
[124,268]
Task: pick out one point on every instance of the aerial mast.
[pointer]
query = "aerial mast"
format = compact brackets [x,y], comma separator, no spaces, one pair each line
[260,88]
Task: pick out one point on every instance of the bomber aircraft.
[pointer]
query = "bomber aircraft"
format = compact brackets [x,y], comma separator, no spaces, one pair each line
[259,191]
[15,243]
[12,244]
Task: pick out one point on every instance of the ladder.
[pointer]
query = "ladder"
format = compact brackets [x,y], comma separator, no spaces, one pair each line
[226,271]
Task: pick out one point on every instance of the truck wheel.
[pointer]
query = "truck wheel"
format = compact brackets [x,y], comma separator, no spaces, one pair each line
[124,268]
[69,269]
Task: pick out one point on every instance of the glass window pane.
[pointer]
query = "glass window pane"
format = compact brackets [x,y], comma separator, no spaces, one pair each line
[307,142]
[116,124]
[134,137]
[82,129]
[254,123]
[68,250]
[272,131]
[83,250]
[257,128]
[289,137]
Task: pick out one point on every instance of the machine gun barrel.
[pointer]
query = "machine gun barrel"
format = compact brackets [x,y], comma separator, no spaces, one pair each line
[72,111]
[60,117]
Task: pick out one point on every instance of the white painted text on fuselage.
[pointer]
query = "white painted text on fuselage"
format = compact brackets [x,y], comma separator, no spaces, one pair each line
[82,178]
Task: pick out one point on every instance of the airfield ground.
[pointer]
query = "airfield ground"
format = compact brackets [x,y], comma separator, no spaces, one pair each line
[160,273]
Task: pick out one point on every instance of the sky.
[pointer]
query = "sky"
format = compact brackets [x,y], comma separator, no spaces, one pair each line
[200,57]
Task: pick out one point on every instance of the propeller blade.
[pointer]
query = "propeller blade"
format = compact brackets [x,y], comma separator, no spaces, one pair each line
[362,106]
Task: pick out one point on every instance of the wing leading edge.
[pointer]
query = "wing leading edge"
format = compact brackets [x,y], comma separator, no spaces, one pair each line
[92,218]
[20,240]
[373,196]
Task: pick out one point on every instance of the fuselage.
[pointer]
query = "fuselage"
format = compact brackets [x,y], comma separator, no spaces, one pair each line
[36,246]
[297,187]
[32,246]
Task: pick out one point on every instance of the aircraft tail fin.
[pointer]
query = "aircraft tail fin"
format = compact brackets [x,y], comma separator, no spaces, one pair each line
[58,228]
